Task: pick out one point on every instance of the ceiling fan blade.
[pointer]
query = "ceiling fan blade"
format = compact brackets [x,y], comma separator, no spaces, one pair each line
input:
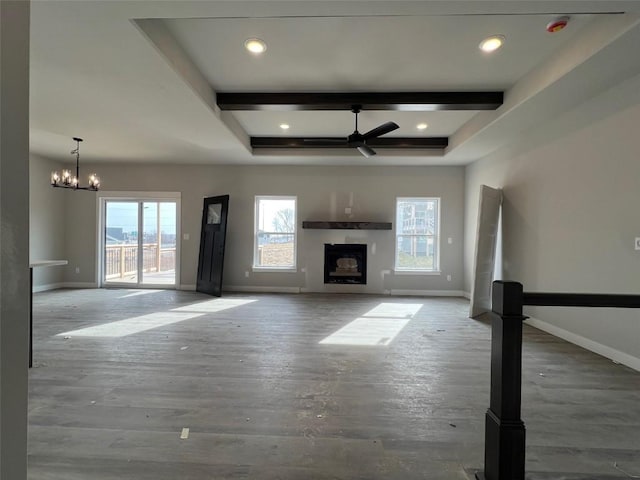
[366,150]
[381,130]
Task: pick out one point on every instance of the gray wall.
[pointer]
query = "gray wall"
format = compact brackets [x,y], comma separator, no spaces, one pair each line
[46,222]
[14,237]
[323,193]
[570,216]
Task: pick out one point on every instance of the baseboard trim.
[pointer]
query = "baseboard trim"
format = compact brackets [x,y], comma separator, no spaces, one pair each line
[256,289]
[47,287]
[467,295]
[186,287]
[79,285]
[608,352]
[428,293]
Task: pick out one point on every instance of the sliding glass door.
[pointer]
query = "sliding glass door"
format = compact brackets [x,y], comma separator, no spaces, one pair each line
[140,243]
[158,243]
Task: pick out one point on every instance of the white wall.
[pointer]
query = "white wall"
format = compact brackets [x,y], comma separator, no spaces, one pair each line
[323,193]
[47,210]
[570,217]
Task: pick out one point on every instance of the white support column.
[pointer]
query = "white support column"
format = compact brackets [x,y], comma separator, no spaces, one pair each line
[14,237]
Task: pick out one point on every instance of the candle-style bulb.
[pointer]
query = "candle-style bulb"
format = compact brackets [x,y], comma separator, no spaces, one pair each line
[94,181]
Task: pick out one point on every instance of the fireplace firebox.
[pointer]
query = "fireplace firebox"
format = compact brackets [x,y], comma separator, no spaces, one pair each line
[345,263]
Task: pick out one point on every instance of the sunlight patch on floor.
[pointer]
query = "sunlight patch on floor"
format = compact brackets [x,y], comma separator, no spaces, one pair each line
[378,327]
[367,331]
[135,293]
[216,305]
[129,326]
[394,310]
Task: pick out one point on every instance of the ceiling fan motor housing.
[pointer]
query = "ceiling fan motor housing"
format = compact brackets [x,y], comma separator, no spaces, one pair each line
[355,137]
[359,140]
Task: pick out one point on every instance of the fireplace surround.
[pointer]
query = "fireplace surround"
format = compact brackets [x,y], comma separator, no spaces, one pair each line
[345,263]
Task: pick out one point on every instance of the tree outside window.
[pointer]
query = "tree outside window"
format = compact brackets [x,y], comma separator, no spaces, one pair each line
[275,239]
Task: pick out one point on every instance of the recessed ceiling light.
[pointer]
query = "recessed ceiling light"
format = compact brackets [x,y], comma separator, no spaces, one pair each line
[255,45]
[492,43]
[422,126]
[284,126]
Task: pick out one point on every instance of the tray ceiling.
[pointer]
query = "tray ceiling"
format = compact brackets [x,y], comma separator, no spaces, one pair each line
[140,80]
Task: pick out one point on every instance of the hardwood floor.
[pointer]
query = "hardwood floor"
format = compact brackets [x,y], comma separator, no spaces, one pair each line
[264,399]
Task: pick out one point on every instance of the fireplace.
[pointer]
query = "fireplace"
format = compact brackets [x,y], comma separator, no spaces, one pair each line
[345,263]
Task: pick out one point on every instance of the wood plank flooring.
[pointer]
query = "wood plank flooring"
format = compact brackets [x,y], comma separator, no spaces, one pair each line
[263,399]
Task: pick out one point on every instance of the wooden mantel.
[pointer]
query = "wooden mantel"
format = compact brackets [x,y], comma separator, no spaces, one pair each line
[327,225]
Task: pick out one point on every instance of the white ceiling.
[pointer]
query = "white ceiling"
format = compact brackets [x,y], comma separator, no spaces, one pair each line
[384,53]
[137,79]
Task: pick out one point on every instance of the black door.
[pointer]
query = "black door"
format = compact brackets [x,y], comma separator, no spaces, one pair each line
[214,230]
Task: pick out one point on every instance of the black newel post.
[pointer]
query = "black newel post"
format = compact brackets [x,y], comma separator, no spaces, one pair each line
[504,429]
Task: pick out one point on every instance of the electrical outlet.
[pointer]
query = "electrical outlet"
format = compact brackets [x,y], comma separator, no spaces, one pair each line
[448,278]
[185,236]
[449,240]
[637,243]
[77,269]
[246,274]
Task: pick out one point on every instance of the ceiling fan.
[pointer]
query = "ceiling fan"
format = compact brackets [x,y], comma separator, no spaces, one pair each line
[356,139]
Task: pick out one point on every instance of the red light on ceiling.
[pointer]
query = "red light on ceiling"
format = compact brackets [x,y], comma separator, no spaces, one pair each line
[557,24]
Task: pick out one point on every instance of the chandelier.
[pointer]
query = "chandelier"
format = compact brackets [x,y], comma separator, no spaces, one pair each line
[67,181]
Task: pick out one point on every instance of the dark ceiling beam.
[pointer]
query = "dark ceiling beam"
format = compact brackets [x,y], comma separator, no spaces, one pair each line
[427,143]
[405,101]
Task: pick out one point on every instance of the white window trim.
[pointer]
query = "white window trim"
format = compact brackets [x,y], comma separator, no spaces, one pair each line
[416,271]
[275,269]
[103,196]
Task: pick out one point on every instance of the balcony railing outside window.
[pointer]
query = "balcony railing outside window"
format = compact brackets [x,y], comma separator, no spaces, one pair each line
[122,260]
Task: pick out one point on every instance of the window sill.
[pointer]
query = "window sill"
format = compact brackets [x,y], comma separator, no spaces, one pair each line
[417,272]
[275,269]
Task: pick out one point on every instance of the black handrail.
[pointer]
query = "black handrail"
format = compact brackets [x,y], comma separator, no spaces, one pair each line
[504,451]
[580,300]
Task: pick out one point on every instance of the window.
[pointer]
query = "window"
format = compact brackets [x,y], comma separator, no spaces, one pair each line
[417,239]
[275,233]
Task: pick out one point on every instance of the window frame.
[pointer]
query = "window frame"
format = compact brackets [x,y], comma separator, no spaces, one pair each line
[436,239]
[256,222]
